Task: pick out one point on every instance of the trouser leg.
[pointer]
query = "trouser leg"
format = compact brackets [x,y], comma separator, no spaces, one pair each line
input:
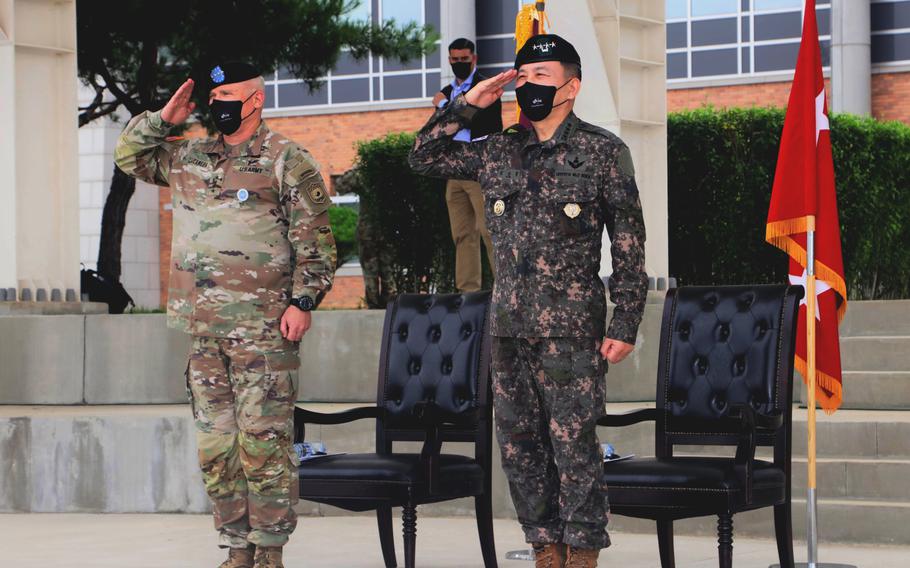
[524,440]
[572,383]
[465,236]
[212,399]
[475,192]
[265,395]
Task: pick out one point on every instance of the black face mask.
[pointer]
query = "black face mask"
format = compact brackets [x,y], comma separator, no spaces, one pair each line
[536,101]
[227,114]
[462,69]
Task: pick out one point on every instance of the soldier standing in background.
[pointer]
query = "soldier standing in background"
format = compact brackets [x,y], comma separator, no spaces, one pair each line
[375,256]
[252,250]
[549,192]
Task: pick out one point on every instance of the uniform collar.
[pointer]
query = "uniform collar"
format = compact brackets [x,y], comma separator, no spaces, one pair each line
[251,147]
[562,135]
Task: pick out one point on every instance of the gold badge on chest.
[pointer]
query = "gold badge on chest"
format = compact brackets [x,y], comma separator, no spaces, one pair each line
[572,210]
[499,207]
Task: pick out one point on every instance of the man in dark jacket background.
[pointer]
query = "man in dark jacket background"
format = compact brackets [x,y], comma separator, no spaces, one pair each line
[464,198]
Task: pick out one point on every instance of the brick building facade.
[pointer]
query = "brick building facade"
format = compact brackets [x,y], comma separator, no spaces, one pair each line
[724,53]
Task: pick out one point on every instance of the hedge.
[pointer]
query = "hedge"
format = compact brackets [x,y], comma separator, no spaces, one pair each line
[344,228]
[411,213]
[721,170]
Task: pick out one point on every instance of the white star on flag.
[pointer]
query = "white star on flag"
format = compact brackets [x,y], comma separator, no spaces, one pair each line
[820,288]
[821,119]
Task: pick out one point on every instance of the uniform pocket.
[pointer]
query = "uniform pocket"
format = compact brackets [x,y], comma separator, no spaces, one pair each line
[577,208]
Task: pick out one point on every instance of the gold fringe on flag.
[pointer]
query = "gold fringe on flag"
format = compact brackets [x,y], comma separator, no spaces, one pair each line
[828,391]
[778,233]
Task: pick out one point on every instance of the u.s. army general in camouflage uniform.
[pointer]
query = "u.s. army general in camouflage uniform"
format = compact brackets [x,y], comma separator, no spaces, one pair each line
[547,202]
[251,235]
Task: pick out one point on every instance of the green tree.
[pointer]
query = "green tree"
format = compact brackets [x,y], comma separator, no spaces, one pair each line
[134,54]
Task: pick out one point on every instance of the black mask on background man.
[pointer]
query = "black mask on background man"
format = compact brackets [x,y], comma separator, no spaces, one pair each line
[536,100]
[462,69]
[227,114]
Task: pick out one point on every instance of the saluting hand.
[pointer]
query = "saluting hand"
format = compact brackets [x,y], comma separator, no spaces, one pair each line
[180,106]
[490,90]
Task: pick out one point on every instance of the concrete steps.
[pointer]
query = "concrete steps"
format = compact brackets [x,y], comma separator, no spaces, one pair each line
[123,459]
[875,354]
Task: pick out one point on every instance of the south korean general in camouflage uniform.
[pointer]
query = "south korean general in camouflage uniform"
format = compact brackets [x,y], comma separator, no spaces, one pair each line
[549,191]
[252,248]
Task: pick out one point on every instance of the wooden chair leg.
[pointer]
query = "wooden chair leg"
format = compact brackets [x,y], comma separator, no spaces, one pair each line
[409,521]
[483,507]
[725,540]
[386,536]
[665,544]
[783,531]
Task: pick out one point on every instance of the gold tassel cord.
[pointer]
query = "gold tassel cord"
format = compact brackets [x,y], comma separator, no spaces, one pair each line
[524,23]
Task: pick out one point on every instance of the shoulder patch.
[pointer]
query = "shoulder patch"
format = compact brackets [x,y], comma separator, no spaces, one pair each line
[301,172]
[624,161]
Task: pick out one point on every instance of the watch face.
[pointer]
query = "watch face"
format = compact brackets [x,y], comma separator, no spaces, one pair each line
[306,303]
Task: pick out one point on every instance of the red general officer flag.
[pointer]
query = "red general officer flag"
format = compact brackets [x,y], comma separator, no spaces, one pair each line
[804,187]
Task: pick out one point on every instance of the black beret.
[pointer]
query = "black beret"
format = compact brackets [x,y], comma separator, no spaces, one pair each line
[546,47]
[231,72]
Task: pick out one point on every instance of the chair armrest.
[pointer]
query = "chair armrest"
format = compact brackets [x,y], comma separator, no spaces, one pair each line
[749,422]
[628,418]
[303,417]
[740,412]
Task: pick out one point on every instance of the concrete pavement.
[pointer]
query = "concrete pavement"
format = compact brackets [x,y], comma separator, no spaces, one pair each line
[188,541]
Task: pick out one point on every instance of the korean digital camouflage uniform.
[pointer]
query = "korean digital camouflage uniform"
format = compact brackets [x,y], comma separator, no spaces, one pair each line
[250,231]
[546,206]
[376,257]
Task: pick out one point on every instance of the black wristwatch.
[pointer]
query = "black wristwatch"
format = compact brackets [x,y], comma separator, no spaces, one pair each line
[304,303]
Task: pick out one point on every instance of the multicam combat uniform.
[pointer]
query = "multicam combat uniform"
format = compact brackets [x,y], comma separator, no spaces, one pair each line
[250,231]
[546,206]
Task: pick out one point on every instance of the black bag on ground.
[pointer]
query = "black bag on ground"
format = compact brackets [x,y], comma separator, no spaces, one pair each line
[101,289]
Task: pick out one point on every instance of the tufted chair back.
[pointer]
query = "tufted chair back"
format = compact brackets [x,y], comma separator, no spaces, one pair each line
[435,359]
[721,347]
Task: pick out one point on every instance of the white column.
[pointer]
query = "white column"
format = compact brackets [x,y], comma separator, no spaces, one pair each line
[39,211]
[7,151]
[456,19]
[851,56]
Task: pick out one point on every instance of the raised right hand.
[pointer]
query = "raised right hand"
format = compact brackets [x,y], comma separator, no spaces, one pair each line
[180,106]
[490,90]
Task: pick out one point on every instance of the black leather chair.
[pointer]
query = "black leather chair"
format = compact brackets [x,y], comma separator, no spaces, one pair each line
[725,377]
[434,386]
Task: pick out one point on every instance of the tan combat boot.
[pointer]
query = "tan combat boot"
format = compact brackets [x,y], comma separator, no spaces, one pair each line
[582,557]
[268,557]
[549,556]
[239,558]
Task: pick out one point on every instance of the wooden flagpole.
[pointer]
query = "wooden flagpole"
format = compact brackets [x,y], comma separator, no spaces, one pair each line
[811,501]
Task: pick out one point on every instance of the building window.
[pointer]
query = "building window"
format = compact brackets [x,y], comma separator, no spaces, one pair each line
[496,34]
[369,80]
[890,32]
[723,39]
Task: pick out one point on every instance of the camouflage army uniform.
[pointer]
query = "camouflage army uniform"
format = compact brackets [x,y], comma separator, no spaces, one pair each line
[375,255]
[546,206]
[250,231]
